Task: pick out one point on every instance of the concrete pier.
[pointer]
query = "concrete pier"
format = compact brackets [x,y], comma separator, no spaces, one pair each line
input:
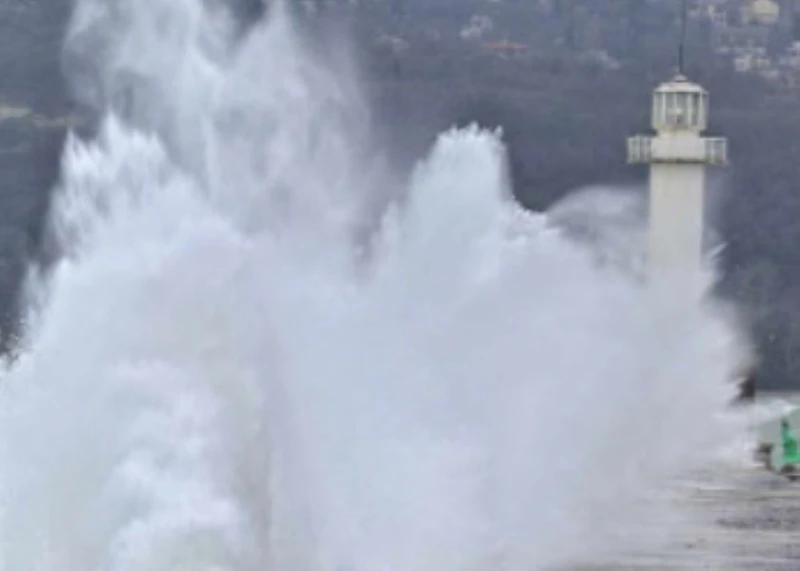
[749,520]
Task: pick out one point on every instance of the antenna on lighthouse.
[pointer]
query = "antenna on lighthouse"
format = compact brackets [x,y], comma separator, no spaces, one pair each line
[682,45]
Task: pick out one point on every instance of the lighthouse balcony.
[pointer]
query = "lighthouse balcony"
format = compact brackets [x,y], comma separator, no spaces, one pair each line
[678,148]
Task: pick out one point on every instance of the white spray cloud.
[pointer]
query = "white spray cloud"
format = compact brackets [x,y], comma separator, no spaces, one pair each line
[219,381]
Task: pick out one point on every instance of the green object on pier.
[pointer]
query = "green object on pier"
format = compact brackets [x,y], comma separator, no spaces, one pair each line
[790,455]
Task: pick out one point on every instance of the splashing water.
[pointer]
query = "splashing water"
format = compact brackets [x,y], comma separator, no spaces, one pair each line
[221,375]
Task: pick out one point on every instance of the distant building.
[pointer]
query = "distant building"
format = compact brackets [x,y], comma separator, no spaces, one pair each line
[506,49]
[751,59]
[715,11]
[789,65]
[601,58]
[761,12]
[791,59]
[732,39]
[479,25]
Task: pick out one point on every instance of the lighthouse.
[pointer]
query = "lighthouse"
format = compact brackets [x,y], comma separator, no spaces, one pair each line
[678,155]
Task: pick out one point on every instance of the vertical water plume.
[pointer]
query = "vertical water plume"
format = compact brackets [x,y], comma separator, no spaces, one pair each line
[218,378]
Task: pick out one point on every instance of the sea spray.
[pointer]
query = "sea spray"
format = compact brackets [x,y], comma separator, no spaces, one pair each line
[218,379]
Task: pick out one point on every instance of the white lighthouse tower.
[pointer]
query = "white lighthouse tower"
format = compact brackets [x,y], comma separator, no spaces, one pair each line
[678,155]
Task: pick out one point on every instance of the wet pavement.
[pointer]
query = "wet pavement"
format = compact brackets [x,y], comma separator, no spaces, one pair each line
[742,519]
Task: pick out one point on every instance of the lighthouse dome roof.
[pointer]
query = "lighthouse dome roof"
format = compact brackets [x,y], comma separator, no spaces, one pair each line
[680,84]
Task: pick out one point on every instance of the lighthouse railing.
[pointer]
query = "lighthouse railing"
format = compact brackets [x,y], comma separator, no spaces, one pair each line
[640,149]
[716,151]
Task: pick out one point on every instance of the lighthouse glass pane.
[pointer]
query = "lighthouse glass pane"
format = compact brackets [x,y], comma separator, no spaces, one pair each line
[696,114]
[678,109]
[682,109]
[659,110]
[671,110]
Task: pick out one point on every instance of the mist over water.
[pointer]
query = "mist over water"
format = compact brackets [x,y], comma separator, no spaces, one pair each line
[222,373]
